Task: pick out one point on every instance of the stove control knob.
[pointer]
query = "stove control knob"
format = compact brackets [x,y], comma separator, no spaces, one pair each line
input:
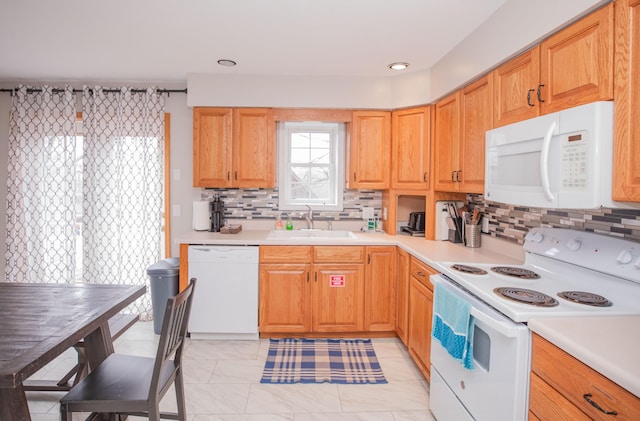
[536,237]
[574,244]
[624,257]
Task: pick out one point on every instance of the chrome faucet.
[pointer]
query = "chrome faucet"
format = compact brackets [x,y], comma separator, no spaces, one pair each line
[309,217]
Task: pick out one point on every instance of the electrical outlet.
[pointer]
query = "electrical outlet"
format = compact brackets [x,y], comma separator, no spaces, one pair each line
[367,213]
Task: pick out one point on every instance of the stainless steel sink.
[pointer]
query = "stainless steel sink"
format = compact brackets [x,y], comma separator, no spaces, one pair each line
[310,234]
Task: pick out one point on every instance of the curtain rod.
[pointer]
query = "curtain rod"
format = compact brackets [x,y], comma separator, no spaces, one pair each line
[57,91]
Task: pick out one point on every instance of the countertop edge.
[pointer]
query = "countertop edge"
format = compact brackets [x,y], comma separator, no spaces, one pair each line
[588,339]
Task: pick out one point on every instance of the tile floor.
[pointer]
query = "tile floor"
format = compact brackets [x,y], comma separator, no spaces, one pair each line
[223,384]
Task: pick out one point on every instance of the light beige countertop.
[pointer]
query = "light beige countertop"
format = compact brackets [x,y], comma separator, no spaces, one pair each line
[431,252]
[609,345]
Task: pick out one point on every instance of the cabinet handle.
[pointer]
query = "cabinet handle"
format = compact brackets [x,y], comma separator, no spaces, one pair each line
[458,176]
[228,175]
[529,97]
[424,177]
[453,176]
[419,273]
[315,277]
[368,259]
[236,175]
[587,397]
[354,176]
[307,277]
[540,87]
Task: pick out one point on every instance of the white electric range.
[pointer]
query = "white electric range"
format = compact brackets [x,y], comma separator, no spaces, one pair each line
[566,273]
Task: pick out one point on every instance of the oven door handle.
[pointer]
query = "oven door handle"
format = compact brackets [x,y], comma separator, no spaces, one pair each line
[481,311]
[505,329]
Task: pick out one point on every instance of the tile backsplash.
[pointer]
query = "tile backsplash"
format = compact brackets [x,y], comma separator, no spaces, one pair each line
[508,222]
[512,223]
[263,204]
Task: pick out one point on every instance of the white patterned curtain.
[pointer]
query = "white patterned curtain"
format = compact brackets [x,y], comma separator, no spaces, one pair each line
[123,187]
[40,186]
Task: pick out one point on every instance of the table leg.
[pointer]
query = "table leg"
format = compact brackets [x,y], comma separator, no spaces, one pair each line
[14,404]
[98,345]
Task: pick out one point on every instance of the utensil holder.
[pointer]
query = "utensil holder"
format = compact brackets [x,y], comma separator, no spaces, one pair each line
[472,235]
[454,236]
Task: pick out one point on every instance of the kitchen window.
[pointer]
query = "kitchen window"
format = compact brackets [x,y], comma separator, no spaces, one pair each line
[311,165]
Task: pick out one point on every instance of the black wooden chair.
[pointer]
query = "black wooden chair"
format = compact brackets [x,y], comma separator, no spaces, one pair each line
[118,324]
[133,385]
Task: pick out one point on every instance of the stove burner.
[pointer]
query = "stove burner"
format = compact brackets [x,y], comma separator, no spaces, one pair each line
[587,298]
[527,296]
[469,269]
[515,272]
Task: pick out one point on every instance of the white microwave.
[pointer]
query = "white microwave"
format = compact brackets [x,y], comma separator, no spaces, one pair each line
[559,160]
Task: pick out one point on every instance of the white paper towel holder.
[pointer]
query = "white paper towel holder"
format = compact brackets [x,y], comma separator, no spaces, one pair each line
[201,218]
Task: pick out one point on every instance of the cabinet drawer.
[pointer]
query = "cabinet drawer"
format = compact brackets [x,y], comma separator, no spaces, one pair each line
[338,254]
[576,381]
[547,404]
[421,272]
[285,254]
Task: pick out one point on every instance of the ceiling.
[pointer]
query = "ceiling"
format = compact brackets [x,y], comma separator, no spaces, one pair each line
[164,40]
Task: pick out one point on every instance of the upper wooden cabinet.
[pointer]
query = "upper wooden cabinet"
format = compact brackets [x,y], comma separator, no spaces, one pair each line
[369,150]
[476,117]
[233,147]
[570,68]
[445,143]
[514,88]
[626,148]
[461,121]
[410,148]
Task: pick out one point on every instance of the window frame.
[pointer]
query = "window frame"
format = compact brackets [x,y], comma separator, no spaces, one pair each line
[336,164]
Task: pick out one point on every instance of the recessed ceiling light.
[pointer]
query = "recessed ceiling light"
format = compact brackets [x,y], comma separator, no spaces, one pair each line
[226,62]
[398,66]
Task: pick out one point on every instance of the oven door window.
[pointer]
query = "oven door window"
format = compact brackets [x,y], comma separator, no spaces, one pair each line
[481,348]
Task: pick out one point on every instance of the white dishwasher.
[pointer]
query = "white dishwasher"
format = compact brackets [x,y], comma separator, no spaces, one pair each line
[225,301]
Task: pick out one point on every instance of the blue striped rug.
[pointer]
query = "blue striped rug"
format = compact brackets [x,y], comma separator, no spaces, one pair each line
[346,361]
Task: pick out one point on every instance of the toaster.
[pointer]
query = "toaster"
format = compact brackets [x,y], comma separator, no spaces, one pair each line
[416,221]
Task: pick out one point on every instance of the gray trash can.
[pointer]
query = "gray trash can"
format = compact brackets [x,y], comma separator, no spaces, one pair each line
[164,281]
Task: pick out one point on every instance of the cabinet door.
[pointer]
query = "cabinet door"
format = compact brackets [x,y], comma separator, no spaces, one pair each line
[253,148]
[338,298]
[402,295]
[410,148]
[285,298]
[476,118]
[212,147]
[380,289]
[420,313]
[369,150]
[626,147]
[515,85]
[446,140]
[577,63]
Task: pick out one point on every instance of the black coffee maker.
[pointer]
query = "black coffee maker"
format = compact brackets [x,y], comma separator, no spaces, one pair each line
[216,212]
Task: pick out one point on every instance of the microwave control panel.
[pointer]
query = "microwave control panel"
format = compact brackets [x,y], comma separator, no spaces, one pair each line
[575,165]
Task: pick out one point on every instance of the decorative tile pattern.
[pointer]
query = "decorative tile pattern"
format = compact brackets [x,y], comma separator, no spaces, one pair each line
[512,223]
[263,204]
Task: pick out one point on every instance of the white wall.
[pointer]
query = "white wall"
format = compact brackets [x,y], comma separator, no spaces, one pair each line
[517,25]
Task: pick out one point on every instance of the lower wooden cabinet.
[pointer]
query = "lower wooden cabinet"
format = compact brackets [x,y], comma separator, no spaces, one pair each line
[327,289]
[564,388]
[285,298]
[380,289]
[306,289]
[402,295]
[337,297]
[420,314]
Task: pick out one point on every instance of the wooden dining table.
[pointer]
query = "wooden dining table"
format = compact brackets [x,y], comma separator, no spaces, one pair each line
[38,322]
